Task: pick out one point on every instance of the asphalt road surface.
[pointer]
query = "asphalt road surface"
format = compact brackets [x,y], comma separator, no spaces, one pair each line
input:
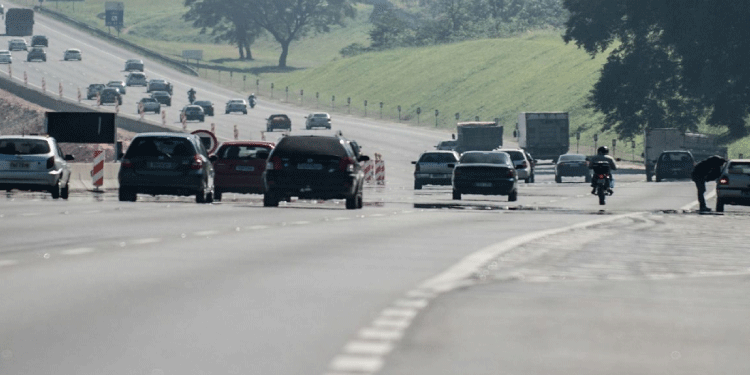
[414,283]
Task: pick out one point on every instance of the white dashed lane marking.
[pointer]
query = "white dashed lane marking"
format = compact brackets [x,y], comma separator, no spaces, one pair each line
[79,251]
[357,363]
[8,262]
[368,348]
[146,241]
[206,233]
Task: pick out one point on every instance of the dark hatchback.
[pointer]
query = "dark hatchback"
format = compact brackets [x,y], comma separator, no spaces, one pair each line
[110,95]
[278,121]
[314,167]
[572,165]
[239,167]
[94,90]
[208,107]
[162,97]
[676,164]
[486,173]
[166,164]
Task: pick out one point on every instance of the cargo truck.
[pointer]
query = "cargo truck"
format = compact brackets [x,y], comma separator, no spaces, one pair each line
[667,139]
[478,136]
[19,22]
[543,134]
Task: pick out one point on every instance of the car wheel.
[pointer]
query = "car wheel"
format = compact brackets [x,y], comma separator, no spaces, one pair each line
[456,195]
[527,180]
[244,112]
[360,200]
[658,178]
[55,191]
[513,196]
[64,192]
[558,179]
[270,200]
[217,196]
[587,178]
[127,195]
[351,202]
[417,185]
[209,197]
[226,112]
[719,205]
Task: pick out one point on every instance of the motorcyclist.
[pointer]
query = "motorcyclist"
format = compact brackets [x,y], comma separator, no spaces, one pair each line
[251,100]
[706,170]
[602,154]
[191,95]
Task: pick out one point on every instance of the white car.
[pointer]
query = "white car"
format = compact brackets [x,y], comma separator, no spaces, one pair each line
[33,163]
[524,167]
[5,57]
[18,45]
[72,54]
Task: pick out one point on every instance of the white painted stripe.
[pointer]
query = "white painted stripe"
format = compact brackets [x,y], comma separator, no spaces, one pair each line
[368,348]
[400,313]
[380,334]
[31,214]
[257,227]
[340,218]
[356,363]
[91,212]
[299,222]
[399,324]
[146,241]
[8,262]
[695,202]
[206,233]
[417,293]
[411,303]
[79,251]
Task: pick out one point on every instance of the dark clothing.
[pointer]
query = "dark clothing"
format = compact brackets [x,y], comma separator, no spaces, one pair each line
[709,169]
[701,186]
[608,159]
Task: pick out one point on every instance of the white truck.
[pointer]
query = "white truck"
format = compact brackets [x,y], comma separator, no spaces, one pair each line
[478,136]
[667,139]
[545,135]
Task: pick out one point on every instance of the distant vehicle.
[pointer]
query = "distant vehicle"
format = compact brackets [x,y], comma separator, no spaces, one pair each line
[159,85]
[134,65]
[72,54]
[36,54]
[278,121]
[447,145]
[162,97]
[486,173]
[136,79]
[314,167]
[94,90]
[166,164]
[193,112]
[655,141]
[677,164]
[39,41]
[208,107]
[318,120]
[236,105]
[118,84]
[239,167]
[478,136]
[110,95]
[733,187]
[148,105]
[34,163]
[572,165]
[544,134]
[17,45]
[432,168]
[5,57]
[524,166]
[19,22]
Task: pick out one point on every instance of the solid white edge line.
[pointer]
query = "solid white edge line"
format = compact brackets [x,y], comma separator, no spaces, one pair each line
[692,204]
[8,262]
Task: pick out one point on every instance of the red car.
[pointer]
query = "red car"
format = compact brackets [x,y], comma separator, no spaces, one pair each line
[239,167]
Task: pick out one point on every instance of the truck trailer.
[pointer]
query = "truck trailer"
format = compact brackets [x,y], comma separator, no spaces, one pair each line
[666,139]
[478,136]
[544,134]
[19,22]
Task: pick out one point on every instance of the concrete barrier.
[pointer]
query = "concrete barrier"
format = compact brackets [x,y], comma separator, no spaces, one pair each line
[81,179]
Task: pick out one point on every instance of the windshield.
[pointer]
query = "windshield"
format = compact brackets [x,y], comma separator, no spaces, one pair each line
[484,157]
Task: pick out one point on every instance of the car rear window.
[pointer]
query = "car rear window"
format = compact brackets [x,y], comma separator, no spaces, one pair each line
[300,146]
[160,146]
[440,157]
[241,152]
[515,155]
[572,158]
[24,147]
[323,115]
[739,167]
[674,156]
[489,158]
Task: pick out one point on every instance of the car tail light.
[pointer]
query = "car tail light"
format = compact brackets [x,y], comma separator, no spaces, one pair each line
[197,162]
[510,173]
[51,162]
[346,165]
[274,164]
[126,163]
[724,181]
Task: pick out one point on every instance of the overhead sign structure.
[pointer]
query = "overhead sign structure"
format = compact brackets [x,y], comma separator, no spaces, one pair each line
[192,54]
[114,13]
[81,127]
[208,139]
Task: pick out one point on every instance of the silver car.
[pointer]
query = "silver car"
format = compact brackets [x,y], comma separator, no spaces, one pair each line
[318,120]
[5,57]
[72,54]
[136,79]
[433,168]
[733,187]
[34,163]
[18,45]
[524,166]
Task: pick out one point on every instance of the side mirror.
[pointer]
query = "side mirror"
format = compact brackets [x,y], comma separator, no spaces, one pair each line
[363,158]
[451,165]
[414,162]
[262,154]
[213,158]
[69,157]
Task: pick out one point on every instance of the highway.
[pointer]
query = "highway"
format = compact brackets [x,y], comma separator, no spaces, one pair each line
[414,283]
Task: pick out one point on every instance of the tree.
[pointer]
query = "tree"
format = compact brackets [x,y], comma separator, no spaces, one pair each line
[288,20]
[690,55]
[227,20]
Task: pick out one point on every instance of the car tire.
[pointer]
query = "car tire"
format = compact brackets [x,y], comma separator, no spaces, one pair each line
[217,196]
[527,180]
[226,112]
[127,195]
[657,178]
[558,179]
[55,191]
[456,195]
[513,196]
[244,112]
[587,178]
[360,200]
[417,185]
[719,205]
[270,200]
[351,202]
[531,179]
[65,192]
[210,197]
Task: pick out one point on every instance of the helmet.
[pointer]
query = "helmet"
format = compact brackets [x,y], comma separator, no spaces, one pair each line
[604,150]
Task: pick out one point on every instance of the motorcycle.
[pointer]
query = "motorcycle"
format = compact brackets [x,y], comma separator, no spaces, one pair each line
[251,100]
[603,179]
[191,96]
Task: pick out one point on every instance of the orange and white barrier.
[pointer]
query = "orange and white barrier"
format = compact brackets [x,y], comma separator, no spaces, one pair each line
[375,170]
[236,133]
[44,86]
[60,90]
[25,79]
[97,173]
[369,171]
[79,95]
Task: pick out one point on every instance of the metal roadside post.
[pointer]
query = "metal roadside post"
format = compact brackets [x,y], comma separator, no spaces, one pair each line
[244,81]
[365,108]
[419,111]
[79,95]
[302,97]
[257,86]
[381,110]
[317,99]
[632,146]
[399,113]
[286,90]
[437,113]
[614,147]
[348,105]
[333,99]
[596,139]
[578,138]
[458,116]
[271,90]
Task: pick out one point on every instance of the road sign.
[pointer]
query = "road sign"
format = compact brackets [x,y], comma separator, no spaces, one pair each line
[208,139]
[113,13]
[192,54]
[81,127]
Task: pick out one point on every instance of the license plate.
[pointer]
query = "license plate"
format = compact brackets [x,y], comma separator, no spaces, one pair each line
[160,165]
[483,184]
[245,168]
[19,165]
[309,166]
[437,176]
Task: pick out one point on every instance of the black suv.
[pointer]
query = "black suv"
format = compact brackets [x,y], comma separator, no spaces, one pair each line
[94,90]
[110,95]
[36,53]
[193,112]
[279,121]
[674,164]
[39,40]
[314,167]
[166,163]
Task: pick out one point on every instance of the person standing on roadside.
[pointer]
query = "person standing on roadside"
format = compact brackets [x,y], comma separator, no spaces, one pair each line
[707,170]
